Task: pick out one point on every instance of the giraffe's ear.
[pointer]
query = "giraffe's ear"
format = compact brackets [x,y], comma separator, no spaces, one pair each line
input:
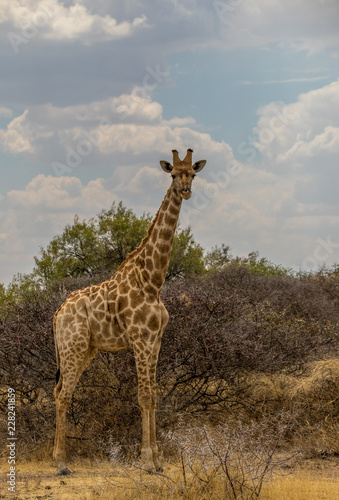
[167,167]
[199,165]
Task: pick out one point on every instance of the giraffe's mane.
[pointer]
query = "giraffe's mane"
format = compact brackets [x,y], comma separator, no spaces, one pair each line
[145,240]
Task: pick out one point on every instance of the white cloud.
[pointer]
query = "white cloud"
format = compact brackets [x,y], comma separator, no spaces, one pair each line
[61,194]
[176,121]
[53,20]
[287,80]
[289,134]
[130,124]
[286,202]
[137,106]
[33,215]
[6,112]
[40,211]
[147,33]
[15,139]
[298,24]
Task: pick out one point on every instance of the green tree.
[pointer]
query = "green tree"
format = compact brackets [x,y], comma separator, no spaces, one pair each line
[120,232]
[101,244]
[75,253]
[2,293]
[21,287]
[219,257]
[187,256]
[263,266]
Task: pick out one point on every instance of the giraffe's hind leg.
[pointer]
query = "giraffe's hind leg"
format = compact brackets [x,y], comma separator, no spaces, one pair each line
[57,390]
[152,423]
[69,377]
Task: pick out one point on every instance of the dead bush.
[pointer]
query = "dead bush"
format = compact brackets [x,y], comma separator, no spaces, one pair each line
[239,457]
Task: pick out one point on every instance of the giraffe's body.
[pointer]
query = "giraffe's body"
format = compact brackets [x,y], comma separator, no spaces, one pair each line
[124,312]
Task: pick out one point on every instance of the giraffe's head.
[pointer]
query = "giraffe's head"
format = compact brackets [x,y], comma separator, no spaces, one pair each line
[183,172]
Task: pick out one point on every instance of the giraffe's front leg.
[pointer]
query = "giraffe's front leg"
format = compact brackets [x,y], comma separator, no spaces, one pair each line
[146,450]
[153,439]
[146,355]
[145,402]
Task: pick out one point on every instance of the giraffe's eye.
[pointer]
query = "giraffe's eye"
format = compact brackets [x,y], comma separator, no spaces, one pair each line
[193,176]
[173,176]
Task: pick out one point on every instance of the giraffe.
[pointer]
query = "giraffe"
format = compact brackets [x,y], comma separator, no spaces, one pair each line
[123,312]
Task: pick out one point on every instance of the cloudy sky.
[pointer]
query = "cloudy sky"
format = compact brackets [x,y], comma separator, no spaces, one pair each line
[94,93]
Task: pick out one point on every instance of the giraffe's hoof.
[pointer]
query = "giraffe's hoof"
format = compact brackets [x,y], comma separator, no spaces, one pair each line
[153,470]
[63,472]
[150,470]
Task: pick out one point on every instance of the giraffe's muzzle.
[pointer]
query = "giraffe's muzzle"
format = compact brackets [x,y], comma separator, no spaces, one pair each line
[186,193]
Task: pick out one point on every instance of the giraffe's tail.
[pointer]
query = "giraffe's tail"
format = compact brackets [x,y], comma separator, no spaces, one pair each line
[57,356]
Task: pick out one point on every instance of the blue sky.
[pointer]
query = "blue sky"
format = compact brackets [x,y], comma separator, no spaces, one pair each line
[94,94]
[224,89]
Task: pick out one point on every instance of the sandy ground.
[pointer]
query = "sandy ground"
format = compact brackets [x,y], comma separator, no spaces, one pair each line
[37,480]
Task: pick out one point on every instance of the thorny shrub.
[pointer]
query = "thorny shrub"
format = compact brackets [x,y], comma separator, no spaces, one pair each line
[238,457]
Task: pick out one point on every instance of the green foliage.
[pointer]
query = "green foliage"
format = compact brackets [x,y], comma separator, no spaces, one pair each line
[120,232]
[102,243]
[324,273]
[2,293]
[219,258]
[263,266]
[21,287]
[74,253]
[187,257]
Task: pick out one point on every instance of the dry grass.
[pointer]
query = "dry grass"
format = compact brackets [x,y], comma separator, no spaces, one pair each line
[320,378]
[312,480]
[303,485]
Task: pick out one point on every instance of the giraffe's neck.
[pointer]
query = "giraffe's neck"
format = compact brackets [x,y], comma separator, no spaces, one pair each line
[153,254]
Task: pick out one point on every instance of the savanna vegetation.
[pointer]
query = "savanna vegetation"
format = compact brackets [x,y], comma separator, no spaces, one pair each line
[248,373]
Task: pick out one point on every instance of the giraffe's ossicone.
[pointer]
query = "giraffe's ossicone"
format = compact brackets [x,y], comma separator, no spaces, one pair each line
[124,312]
